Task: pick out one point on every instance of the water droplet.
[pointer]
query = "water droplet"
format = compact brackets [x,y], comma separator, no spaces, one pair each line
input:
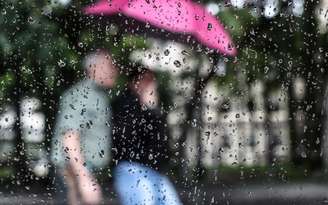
[102,153]
[61,63]
[266,69]
[177,63]
[230,46]
[209,26]
[166,52]
[194,123]
[30,20]
[184,52]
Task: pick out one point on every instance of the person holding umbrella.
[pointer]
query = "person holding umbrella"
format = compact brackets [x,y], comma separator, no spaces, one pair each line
[140,144]
[81,143]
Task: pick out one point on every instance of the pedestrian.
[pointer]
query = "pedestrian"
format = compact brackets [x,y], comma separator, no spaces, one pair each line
[140,145]
[82,136]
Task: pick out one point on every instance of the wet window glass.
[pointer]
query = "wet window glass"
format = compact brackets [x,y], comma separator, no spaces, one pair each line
[159,102]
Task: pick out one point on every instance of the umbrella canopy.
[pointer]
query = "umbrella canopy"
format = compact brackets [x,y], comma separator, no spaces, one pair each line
[179,16]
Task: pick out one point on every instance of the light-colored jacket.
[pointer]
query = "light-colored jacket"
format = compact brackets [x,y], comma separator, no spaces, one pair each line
[84,108]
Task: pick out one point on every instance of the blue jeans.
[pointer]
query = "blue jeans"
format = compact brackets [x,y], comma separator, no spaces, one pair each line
[140,185]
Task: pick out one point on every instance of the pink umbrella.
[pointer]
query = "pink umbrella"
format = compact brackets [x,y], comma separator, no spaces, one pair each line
[181,16]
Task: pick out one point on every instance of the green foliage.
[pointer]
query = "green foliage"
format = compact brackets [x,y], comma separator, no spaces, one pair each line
[237,22]
[42,44]
[268,49]
[7,81]
[32,46]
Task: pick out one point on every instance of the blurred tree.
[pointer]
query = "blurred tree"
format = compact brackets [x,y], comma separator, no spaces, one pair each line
[276,51]
[35,61]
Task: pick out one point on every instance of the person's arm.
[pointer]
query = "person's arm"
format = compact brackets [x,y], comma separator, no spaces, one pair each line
[88,187]
[76,162]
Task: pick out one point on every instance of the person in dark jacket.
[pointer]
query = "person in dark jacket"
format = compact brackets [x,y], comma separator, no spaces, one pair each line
[139,133]
[140,145]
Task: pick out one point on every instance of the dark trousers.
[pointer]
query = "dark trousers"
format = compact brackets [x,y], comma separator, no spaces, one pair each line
[61,189]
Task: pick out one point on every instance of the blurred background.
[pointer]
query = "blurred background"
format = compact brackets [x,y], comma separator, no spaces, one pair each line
[254,132]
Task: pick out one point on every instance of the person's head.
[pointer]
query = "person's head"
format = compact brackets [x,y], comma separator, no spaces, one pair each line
[144,84]
[143,80]
[99,67]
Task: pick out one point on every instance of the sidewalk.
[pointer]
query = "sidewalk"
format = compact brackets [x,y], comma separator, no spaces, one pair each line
[298,194]
[302,193]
